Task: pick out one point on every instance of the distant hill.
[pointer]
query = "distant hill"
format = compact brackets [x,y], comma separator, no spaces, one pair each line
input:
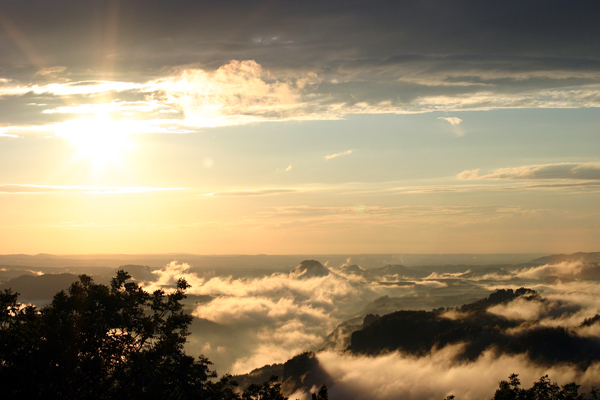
[394,271]
[399,271]
[263,261]
[559,258]
[309,269]
[39,289]
[8,272]
[418,332]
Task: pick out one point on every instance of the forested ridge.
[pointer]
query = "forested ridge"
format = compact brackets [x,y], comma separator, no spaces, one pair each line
[418,332]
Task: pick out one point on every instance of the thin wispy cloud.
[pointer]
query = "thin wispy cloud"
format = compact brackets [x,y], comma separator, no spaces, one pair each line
[560,171]
[51,70]
[71,88]
[387,188]
[286,169]
[41,189]
[29,130]
[454,121]
[382,216]
[254,192]
[109,225]
[500,185]
[122,126]
[146,106]
[335,155]
[469,174]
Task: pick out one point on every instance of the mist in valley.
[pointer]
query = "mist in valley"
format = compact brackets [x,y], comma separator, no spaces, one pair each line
[249,317]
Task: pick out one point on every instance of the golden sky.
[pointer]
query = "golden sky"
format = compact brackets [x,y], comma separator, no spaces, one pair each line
[298,127]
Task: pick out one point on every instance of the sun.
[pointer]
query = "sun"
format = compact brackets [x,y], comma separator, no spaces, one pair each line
[99,140]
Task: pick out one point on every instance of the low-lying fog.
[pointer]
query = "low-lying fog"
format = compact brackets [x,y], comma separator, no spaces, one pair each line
[247,320]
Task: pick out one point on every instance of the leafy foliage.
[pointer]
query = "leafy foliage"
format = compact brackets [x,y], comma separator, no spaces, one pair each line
[544,389]
[100,342]
[269,390]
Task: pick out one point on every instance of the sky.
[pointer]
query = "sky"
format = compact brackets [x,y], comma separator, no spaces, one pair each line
[290,127]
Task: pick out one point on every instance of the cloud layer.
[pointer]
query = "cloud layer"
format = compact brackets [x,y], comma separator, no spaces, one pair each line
[437,375]
[243,91]
[274,317]
[245,323]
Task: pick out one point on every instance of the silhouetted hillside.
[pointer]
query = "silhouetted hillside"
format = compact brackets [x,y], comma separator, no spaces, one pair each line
[339,338]
[42,287]
[8,272]
[303,371]
[259,375]
[498,297]
[418,332]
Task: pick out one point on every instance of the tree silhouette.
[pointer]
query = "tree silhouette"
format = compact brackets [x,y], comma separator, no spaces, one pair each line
[544,389]
[100,342]
[321,394]
[269,390]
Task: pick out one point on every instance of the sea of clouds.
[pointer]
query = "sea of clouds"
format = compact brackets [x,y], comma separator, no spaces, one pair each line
[245,323]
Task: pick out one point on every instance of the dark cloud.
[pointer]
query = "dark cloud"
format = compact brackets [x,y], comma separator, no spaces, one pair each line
[129,33]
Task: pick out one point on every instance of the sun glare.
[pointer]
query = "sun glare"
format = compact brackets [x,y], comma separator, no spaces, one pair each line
[99,141]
